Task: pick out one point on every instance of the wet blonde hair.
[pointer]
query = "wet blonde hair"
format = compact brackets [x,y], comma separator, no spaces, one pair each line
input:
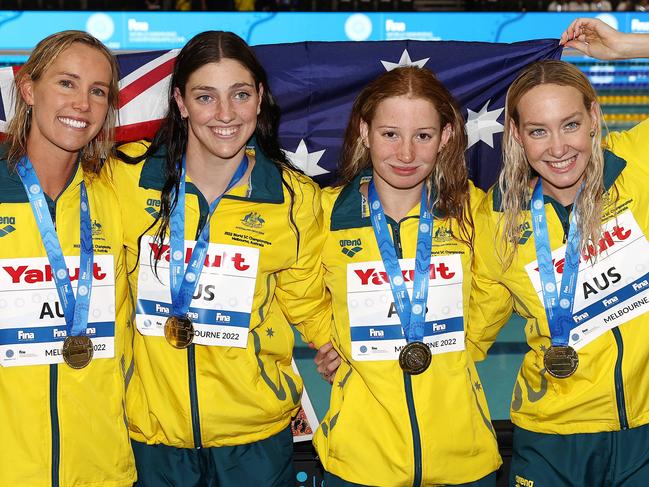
[42,57]
[450,174]
[515,177]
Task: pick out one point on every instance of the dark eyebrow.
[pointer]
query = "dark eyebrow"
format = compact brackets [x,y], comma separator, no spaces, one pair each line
[235,86]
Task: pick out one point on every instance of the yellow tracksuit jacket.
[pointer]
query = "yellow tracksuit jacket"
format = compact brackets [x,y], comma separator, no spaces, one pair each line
[61,426]
[610,389]
[384,427]
[214,396]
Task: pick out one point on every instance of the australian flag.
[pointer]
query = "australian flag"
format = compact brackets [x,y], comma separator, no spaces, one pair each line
[315,84]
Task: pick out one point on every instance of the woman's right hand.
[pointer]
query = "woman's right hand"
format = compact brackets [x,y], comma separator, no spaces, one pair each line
[595,38]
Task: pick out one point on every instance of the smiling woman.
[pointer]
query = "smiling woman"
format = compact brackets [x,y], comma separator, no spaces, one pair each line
[221,271]
[579,405]
[63,353]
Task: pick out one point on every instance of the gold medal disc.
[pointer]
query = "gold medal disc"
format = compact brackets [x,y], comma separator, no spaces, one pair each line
[415,358]
[179,331]
[77,351]
[560,361]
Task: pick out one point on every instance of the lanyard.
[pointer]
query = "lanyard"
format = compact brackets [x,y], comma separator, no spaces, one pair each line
[412,314]
[558,306]
[76,308]
[184,281]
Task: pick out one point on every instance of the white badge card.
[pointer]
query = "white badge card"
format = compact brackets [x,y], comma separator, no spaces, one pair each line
[222,301]
[32,327]
[612,289]
[375,328]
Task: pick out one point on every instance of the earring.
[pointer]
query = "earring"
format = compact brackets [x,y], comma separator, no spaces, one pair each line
[29,110]
[592,133]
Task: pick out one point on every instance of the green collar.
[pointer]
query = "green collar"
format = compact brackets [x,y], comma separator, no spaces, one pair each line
[613,166]
[347,211]
[11,186]
[265,179]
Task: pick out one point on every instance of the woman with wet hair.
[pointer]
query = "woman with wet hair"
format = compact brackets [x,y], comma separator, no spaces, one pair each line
[563,244]
[64,344]
[407,406]
[224,243]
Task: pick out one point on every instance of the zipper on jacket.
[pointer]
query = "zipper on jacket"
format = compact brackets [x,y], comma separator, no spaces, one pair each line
[619,383]
[191,350]
[193,395]
[54,420]
[54,383]
[414,424]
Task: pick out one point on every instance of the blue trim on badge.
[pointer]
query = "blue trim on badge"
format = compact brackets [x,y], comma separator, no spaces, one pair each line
[48,334]
[198,315]
[395,332]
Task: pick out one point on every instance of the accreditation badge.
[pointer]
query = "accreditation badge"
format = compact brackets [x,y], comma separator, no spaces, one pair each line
[375,329]
[612,288]
[33,328]
[221,304]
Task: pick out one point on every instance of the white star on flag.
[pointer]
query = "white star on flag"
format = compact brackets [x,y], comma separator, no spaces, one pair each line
[305,160]
[483,125]
[404,61]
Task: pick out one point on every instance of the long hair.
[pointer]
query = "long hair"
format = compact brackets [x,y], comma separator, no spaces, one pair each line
[449,177]
[515,177]
[42,57]
[205,48]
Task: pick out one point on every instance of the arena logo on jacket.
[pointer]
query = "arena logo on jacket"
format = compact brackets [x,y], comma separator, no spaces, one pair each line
[376,330]
[222,300]
[7,225]
[32,329]
[611,289]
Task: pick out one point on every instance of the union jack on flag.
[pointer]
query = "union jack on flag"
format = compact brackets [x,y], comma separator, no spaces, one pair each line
[315,84]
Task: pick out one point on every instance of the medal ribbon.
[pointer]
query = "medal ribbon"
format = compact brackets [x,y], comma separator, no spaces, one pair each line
[412,314]
[558,306]
[76,308]
[184,281]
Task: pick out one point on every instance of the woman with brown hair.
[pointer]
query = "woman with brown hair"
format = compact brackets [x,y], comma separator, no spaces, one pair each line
[407,407]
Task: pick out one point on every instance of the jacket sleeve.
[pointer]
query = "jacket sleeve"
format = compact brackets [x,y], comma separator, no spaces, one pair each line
[301,291]
[491,303]
[631,145]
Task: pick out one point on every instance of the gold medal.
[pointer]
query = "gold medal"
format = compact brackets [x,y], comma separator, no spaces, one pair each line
[77,351]
[560,361]
[415,358]
[179,331]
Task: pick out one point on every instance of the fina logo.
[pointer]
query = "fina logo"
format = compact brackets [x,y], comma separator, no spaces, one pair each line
[101,26]
[358,27]
[9,353]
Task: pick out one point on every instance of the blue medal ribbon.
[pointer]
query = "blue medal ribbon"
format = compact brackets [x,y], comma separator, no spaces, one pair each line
[76,308]
[184,281]
[558,306]
[412,313]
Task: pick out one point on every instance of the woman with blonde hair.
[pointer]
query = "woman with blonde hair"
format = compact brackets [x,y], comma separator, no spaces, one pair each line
[407,407]
[63,331]
[563,244]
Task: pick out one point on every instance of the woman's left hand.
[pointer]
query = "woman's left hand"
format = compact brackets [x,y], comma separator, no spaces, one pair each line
[327,361]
